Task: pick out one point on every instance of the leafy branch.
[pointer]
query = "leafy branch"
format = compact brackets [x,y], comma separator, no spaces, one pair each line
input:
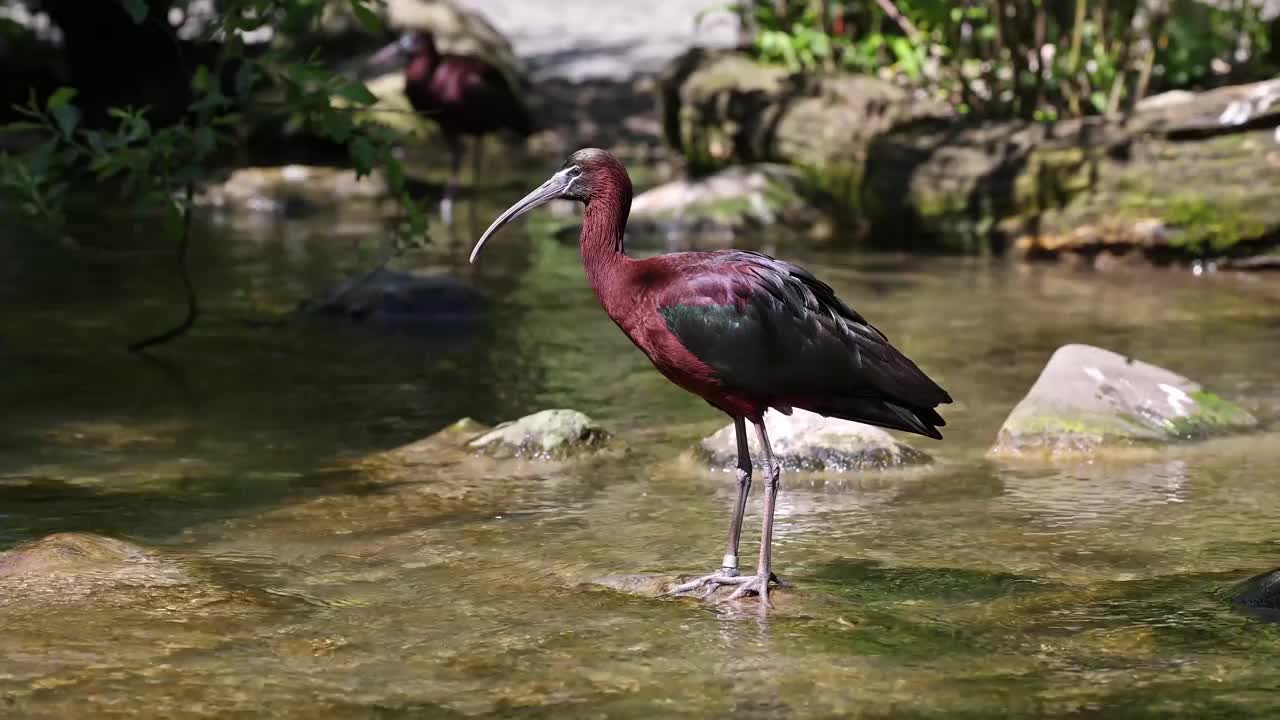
[156,170]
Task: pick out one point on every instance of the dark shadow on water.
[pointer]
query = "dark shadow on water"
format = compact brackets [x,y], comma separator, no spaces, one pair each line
[871,581]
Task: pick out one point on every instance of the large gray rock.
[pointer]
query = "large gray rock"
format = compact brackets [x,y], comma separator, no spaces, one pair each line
[545,435]
[807,441]
[1088,399]
[730,203]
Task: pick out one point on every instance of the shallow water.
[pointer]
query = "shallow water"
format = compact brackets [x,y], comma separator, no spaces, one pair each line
[975,588]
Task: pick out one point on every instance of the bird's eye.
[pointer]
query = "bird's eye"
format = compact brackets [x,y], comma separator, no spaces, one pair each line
[575,171]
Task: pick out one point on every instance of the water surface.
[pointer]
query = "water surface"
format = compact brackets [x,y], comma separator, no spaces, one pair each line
[976,588]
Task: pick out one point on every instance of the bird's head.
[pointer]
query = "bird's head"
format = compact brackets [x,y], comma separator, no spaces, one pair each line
[417,42]
[587,175]
[410,44]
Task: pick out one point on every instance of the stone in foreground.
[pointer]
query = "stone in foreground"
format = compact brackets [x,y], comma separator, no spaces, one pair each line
[545,435]
[72,567]
[808,442]
[1088,399]
[72,553]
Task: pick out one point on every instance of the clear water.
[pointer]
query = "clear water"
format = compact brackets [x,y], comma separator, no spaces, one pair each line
[320,588]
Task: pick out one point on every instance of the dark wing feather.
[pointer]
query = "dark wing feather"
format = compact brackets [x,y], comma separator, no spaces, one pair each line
[774,331]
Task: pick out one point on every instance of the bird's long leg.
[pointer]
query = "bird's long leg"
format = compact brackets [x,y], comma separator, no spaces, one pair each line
[729,565]
[760,583]
[728,572]
[456,150]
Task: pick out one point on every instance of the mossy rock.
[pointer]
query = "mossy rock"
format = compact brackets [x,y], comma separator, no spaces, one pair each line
[1088,191]
[721,108]
[808,442]
[1088,400]
[547,435]
[731,203]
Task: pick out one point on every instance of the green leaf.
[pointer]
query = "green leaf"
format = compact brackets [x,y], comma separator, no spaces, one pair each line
[357,93]
[59,98]
[137,10]
[67,117]
[246,78]
[200,80]
[363,155]
[368,18]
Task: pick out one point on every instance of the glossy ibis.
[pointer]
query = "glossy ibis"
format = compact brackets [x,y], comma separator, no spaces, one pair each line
[463,95]
[741,330]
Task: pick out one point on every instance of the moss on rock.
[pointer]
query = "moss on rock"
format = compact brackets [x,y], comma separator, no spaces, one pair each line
[1088,400]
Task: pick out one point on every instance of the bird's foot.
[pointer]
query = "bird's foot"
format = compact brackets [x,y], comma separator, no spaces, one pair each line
[723,576]
[758,584]
[743,584]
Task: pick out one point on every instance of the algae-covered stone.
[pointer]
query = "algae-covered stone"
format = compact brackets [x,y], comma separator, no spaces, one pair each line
[730,203]
[549,434]
[1088,399]
[810,442]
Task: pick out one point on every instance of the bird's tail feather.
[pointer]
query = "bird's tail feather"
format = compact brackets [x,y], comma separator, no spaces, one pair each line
[882,413]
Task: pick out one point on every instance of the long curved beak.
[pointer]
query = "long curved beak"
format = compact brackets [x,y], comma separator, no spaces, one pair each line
[548,191]
[386,60]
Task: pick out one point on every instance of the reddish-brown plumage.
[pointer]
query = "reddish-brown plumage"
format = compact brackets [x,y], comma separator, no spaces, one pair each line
[629,289]
[635,294]
[741,330]
[465,95]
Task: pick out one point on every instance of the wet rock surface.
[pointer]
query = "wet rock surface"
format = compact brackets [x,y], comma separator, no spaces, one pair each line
[1260,592]
[1088,399]
[395,300]
[449,475]
[729,203]
[82,567]
[73,553]
[550,434]
[809,442]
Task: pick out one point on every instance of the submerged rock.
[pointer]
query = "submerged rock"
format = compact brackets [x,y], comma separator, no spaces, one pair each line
[71,566]
[1260,592]
[729,203]
[549,434]
[396,300]
[810,442]
[71,553]
[1088,399]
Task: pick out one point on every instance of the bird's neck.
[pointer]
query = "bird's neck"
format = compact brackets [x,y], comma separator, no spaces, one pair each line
[603,223]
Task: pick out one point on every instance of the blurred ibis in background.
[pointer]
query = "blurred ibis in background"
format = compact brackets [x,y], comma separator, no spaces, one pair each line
[741,330]
[463,95]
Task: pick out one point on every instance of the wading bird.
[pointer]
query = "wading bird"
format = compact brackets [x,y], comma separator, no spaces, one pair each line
[741,330]
[463,95]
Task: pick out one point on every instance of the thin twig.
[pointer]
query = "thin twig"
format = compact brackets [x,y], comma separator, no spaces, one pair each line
[184,270]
